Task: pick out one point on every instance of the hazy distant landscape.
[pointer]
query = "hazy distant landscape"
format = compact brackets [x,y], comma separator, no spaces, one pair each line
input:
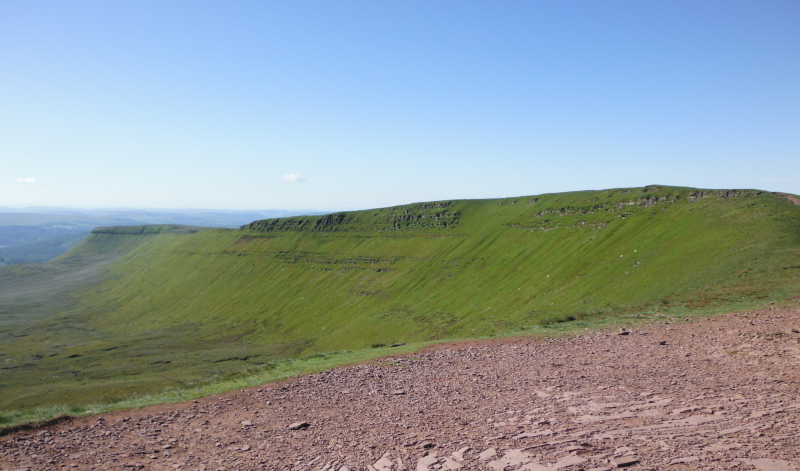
[35,235]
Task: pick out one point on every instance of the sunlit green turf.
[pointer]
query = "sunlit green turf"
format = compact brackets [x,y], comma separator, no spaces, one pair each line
[186,309]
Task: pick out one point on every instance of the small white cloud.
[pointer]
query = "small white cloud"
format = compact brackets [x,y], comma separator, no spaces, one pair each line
[27,180]
[293,178]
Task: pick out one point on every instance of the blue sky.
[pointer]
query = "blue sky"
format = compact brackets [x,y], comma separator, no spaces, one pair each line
[356,104]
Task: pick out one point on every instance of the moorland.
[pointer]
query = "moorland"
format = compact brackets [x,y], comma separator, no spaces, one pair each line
[148,314]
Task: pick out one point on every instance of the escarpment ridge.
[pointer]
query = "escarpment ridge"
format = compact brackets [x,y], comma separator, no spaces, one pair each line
[181,308]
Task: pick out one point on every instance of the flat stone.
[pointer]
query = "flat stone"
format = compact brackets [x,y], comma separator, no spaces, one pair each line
[510,458]
[567,461]
[723,446]
[497,465]
[425,462]
[683,460]
[766,464]
[299,425]
[700,419]
[731,430]
[683,410]
[624,461]
[534,466]
[451,464]
[541,433]
[487,454]
[459,455]
[247,423]
[383,464]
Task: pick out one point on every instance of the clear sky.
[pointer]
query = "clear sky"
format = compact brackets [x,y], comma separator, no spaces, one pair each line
[356,104]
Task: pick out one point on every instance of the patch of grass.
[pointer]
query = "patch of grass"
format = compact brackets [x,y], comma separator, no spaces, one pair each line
[216,385]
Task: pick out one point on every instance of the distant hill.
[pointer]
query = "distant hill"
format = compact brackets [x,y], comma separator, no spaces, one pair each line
[35,235]
[177,307]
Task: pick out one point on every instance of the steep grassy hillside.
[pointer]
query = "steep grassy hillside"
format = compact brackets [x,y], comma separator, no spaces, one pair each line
[35,291]
[185,309]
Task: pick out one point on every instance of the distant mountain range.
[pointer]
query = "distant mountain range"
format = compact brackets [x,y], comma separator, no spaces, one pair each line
[39,234]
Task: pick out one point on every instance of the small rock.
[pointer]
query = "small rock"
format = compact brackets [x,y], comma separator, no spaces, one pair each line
[487,454]
[299,425]
[247,423]
[684,460]
[623,331]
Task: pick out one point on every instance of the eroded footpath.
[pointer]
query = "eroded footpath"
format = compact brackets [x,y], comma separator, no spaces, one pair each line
[722,393]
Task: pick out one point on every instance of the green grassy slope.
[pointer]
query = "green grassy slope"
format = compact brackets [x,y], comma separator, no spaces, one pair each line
[186,309]
[39,301]
[37,290]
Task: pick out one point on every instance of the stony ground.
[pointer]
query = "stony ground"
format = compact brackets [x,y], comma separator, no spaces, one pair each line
[717,394]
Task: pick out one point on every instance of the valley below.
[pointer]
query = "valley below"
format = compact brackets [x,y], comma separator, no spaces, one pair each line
[718,393]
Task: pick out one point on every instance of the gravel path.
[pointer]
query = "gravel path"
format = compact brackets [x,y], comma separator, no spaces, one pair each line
[723,393]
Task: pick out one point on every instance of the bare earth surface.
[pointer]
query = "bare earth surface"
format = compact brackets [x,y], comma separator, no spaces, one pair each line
[717,394]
